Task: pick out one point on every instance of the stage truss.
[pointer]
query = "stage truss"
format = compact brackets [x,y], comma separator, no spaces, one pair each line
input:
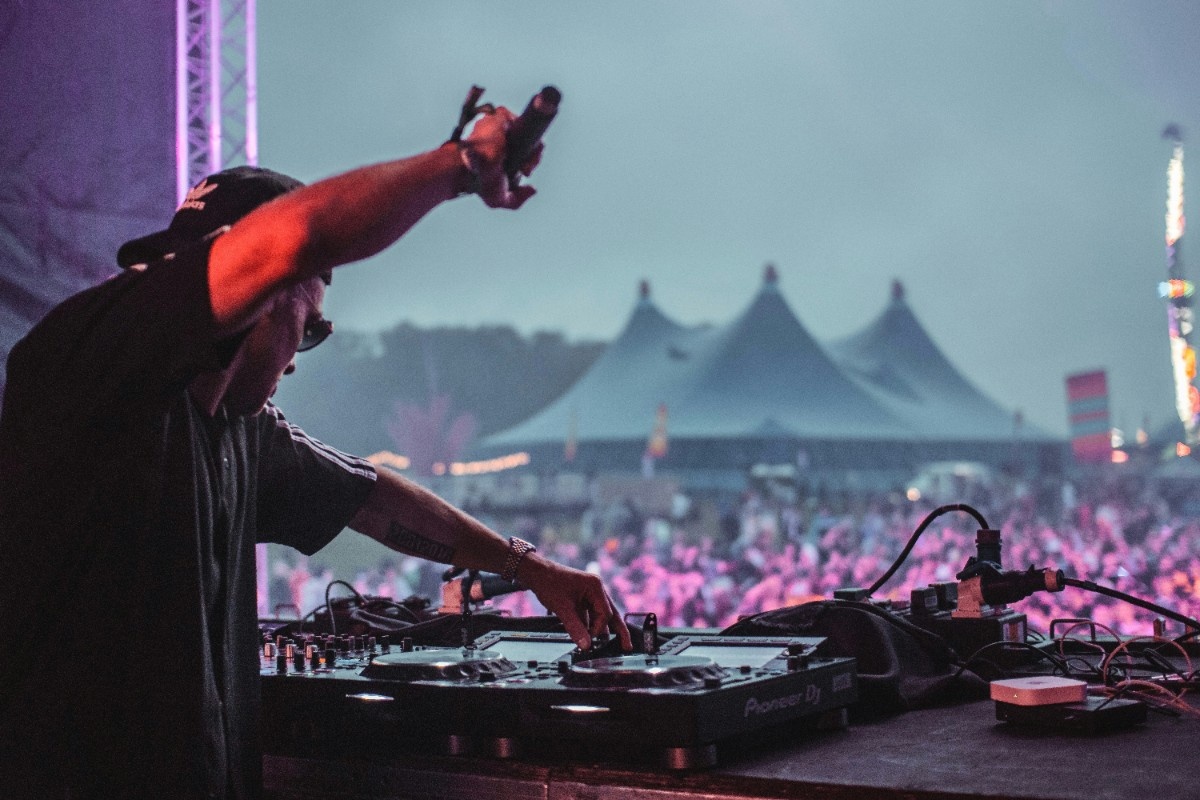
[216,97]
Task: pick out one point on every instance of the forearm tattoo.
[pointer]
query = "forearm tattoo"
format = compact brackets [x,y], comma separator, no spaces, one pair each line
[409,541]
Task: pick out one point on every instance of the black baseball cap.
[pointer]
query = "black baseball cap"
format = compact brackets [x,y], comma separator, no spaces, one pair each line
[220,199]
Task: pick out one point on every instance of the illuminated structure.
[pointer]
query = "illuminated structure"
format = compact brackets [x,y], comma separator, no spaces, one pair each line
[216,88]
[1178,293]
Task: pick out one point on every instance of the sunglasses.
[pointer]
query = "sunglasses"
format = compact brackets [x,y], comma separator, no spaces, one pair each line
[315,332]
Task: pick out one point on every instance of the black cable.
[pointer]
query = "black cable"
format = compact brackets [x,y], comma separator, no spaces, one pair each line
[386,603]
[1128,598]
[1160,662]
[1184,638]
[329,608]
[1059,663]
[1082,667]
[912,541]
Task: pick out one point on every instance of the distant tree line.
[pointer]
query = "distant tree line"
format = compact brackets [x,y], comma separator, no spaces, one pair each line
[355,389]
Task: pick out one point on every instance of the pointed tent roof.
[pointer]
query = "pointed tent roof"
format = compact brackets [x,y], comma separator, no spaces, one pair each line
[896,360]
[764,374]
[617,398]
[761,375]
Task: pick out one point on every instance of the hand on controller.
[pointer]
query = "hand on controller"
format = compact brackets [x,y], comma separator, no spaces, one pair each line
[577,598]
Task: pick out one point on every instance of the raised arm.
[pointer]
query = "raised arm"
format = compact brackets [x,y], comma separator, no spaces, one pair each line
[351,216]
[408,518]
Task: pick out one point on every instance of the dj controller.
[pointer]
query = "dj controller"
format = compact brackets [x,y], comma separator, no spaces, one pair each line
[515,693]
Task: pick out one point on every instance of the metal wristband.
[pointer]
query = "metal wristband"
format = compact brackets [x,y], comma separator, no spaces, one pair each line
[517,550]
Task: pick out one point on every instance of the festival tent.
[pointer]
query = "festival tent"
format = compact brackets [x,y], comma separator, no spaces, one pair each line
[618,397]
[765,375]
[762,390]
[757,389]
[895,360]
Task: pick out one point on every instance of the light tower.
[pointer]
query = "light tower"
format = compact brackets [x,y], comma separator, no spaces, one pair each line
[1178,293]
[216,92]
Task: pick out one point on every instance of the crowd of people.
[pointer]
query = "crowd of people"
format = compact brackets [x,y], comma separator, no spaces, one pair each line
[765,551]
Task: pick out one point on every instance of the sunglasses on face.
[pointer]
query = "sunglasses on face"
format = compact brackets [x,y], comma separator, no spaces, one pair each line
[315,332]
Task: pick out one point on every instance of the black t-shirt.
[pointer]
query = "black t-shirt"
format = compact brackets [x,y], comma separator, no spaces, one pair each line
[128,519]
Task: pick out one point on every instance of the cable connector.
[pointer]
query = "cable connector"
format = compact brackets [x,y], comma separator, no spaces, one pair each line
[989,587]
[1010,586]
[987,554]
[485,587]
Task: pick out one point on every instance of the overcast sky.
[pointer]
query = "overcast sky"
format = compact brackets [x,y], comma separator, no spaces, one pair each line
[1003,160]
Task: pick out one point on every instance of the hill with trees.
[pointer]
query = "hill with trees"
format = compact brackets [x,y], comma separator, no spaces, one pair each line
[428,390]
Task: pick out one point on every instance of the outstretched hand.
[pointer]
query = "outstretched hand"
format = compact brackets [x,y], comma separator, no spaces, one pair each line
[487,142]
[577,598]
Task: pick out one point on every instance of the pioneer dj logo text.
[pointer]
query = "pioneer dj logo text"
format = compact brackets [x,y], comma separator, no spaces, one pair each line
[809,697]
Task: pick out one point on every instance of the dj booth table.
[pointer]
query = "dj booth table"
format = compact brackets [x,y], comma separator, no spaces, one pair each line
[939,754]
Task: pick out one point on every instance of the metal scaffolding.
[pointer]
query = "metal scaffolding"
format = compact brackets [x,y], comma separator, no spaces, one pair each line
[216,92]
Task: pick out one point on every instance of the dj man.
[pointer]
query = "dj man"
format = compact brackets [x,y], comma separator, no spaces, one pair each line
[141,460]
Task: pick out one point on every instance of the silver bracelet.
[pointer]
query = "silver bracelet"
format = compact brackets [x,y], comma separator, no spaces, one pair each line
[517,550]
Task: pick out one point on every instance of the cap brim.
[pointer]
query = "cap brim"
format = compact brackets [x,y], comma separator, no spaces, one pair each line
[145,249]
